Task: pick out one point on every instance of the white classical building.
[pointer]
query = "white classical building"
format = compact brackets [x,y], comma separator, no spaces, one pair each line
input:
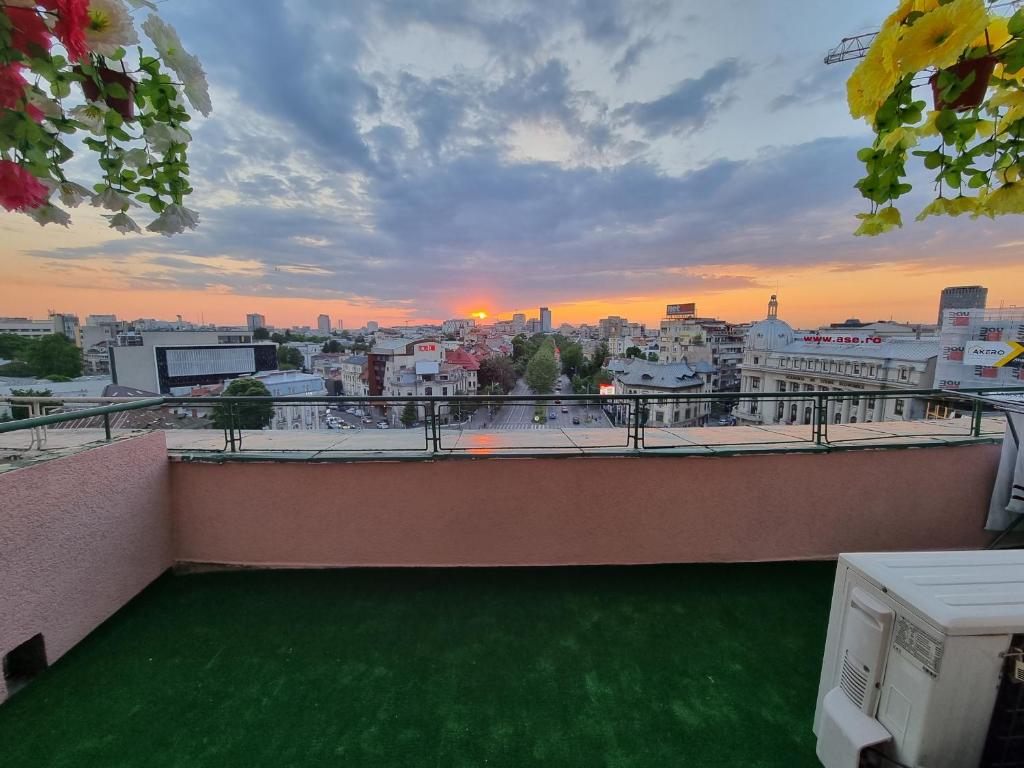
[778,359]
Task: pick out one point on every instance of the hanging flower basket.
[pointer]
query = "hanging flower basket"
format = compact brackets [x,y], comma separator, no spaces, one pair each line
[125,105]
[974,94]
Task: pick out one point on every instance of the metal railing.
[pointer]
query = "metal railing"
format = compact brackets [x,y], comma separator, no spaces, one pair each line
[468,424]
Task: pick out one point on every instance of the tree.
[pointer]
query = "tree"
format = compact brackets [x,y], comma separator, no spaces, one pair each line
[572,357]
[17,369]
[598,358]
[260,334]
[278,338]
[652,356]
[408,417]
[542,370]
[518,347]
[499,370]
[634,352]
[247,415]
[24,411]
[289,359]
[54,355]
[333,346]
[12,346]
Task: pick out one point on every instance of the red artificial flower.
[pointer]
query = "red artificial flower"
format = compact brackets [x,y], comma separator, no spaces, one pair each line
[12,86]
[72,20]
[19,189]
[28,32]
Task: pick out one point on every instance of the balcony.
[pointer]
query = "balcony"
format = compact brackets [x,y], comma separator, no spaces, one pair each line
[207,597]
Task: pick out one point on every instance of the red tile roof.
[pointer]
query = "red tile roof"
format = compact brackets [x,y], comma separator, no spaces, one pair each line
[461,358]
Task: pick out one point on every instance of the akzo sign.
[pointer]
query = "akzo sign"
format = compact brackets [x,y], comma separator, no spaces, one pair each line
[427,348]
[991,354]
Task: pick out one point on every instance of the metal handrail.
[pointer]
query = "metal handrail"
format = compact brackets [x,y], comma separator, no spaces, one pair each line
[633,415]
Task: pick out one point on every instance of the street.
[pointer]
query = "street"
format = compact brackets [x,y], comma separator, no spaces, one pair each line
[520,415]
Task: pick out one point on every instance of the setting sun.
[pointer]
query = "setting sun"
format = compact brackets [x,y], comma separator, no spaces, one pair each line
[479,315]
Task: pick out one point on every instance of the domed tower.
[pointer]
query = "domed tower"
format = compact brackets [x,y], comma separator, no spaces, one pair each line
[771,333]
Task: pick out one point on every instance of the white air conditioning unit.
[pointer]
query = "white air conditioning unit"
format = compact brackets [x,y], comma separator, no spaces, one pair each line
[923,663]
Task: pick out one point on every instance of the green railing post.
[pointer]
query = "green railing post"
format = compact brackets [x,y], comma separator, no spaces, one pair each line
[976,418]
[821,414]
[435,431]
[231,426]
[106,425]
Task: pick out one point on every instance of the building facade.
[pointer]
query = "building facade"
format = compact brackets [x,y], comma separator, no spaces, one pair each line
[173,362]
[777,359]
[296,384]
[254,321]
[639,377]
[323,324]
[962,297]
[545,320]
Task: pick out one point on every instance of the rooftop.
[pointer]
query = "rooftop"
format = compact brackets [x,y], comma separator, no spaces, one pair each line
[639,666]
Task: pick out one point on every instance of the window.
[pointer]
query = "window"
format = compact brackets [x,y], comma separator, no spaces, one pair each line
[807,415]
[659,417]
[780,411]
[898,410]
[753,406]
[903,374]
[755,382]
[856,369]
[755,359]
[427,391]
[675,415]
[871,371]
[782,386]
[838,418]
[856,399]
[853,419]
[687,414]
[792,413]
[808,387]
[444,390]
[871,402]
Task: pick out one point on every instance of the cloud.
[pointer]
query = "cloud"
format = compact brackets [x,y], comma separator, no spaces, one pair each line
[689,106]
[820,84]
[624,66]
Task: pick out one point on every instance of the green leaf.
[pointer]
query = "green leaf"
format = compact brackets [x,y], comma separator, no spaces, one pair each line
[978,180]
[117,55]
[116,90]
[1015,24]
[952,178]
[933,160]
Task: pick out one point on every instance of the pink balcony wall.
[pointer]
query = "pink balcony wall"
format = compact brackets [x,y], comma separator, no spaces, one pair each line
[79,537]
[589,510]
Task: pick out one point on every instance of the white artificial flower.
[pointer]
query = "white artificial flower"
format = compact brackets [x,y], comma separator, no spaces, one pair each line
[136,158]
[123,223]
[72,194]
[43,103]
[110,27]
[160,136]
[111,199]
[185,65]
[174,220]
[92,116]
[49,214]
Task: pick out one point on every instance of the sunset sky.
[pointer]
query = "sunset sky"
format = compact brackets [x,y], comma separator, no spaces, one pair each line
[417,160]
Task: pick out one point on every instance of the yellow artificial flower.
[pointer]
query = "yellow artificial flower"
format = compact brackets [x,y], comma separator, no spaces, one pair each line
[945,206]
[939,37]
[997,34]
[1009,198]
[1013,100]
[874,78]
[899,138]
[927,128]
[907,7]
[876,223]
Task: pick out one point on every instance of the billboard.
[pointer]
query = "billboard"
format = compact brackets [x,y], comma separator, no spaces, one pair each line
[681,310]
[607,389]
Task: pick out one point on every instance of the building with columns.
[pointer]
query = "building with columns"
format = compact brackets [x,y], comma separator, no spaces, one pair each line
[778,359]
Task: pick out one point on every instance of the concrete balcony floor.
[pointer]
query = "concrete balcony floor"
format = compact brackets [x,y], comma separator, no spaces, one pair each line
[701,665]
[315,445]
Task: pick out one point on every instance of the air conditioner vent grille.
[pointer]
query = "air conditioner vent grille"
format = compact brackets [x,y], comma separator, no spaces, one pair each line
[854,682]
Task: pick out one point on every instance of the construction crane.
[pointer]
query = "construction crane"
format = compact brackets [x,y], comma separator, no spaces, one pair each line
[856,47]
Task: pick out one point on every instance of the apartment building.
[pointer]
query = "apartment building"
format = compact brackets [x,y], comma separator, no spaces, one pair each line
[634,376]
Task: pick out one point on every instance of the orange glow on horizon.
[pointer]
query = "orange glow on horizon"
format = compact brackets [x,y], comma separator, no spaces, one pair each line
[479,315]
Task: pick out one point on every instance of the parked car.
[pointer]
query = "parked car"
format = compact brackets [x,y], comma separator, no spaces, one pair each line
[347,426]
[367,420]
[552,415]
[575,419]
[564,409]
[382,425]
[558,402]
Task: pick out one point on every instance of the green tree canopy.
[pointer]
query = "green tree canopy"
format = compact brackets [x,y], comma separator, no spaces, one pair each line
[333,346]
[408,417]
[289,358]
[261,334]
[542,370]
[499,370]
[54,355]
[247,415]
[652,356]
[12,346]
[634,352]
[572,357]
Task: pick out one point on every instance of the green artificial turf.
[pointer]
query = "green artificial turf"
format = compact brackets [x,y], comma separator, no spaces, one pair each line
[711,665]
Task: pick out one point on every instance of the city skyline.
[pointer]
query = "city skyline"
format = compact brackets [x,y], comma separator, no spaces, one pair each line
[597,161]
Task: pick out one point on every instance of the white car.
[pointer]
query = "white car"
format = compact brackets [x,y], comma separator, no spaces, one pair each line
[382,425]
